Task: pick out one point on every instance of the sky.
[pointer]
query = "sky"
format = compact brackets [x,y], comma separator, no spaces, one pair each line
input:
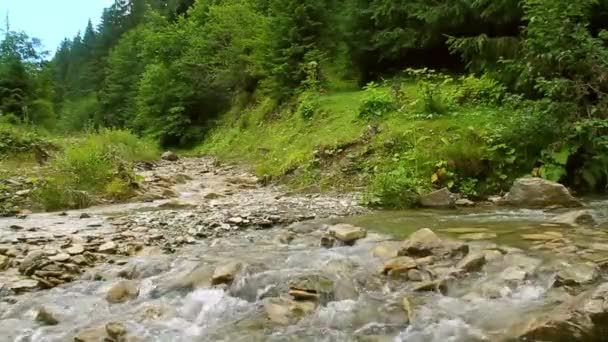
[52,20]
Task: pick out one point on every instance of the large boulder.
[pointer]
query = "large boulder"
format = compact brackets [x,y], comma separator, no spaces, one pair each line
[438,199]
[581,318]
[539,193]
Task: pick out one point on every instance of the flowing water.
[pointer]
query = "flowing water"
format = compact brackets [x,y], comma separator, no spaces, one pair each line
[365,306]
[523,248]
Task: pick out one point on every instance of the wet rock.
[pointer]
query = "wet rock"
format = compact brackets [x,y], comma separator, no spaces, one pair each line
[75,249]
[313,287]
[123,291]
[387,249]
[576,275]
[439,285]
[347,233]
[576,218]
[408,308]
[472,262]
[84,216]
[24,285]
[418,275]
[421,243]
[61,257]
[116,331]
[463,202]
[438,199]
[540,193]
[45,317]
[582,318]
[286,311]
[32,262]
[5,262]
[91,335]
[398,266]
[170,156]
[284,238]
[327,241]
[108,248]
[513,274]
[225,274]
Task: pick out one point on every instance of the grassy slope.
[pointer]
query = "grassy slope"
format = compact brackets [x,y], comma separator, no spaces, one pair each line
[409,144]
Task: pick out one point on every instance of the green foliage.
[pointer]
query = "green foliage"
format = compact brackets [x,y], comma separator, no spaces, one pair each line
[431,88]
[79,114]
[397,188]
[308,105]
[19,140]
[97,165]
[479,90]
[376,103]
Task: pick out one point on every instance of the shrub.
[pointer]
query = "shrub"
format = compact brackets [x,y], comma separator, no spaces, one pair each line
[16,139]
[308,104]
[99,165]
[397,187]
[479,90]
[432,90]
[376,103]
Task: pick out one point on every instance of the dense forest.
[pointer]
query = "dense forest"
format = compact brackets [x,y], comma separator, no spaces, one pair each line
[168,69]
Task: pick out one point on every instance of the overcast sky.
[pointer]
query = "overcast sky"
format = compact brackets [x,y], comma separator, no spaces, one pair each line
[52,20]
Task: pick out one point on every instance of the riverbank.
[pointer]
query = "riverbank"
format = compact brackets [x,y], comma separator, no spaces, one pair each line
[230,259]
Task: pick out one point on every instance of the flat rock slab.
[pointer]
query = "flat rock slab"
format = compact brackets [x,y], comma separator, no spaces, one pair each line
[347,233]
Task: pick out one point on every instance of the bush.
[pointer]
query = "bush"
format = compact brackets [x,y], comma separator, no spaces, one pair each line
[99,165]
[479,90]
[308,105]
[432,90]
[376,103]
[395,188]
[16,139]
[78,114]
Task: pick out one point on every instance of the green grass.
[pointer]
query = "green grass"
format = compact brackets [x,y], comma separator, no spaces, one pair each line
[398,161]
[92,166]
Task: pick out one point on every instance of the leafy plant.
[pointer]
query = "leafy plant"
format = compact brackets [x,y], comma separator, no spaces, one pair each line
[308,104]
[431,91]
[376,103]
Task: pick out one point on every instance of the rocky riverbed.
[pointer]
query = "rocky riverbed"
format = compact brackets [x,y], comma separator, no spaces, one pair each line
[227,259]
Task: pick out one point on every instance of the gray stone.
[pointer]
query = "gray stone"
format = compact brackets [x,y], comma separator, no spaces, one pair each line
[285,311]
[463,202]
[575,275]
[398,266]
[472,262]
[438,199]
[75,249]
[108,248]
[576,218]
[32,262]
[225,274]
[540,193]
[421,243]
[116,331]
[347,233]
[45,317]
[170,156]
[123,291]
